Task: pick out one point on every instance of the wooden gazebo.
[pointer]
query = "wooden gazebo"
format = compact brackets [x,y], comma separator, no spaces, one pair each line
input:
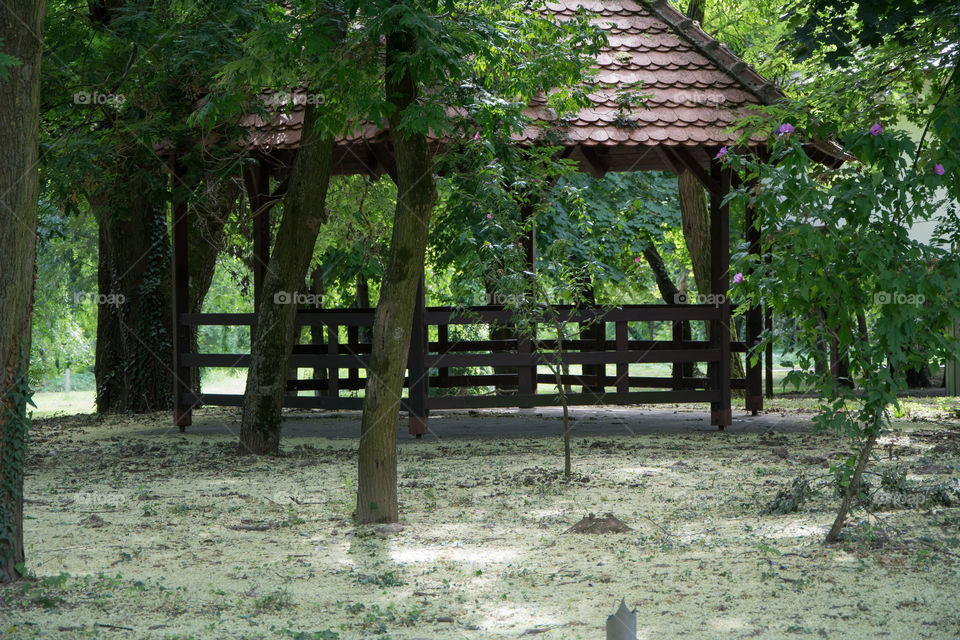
[697,88]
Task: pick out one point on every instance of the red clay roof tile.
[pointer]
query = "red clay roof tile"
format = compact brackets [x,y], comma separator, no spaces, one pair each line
[695,87]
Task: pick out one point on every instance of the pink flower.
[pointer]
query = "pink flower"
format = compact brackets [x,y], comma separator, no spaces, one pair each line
[476,136]
[721,153]
[876,129]
[738,278]
[489,215]
[938,169]
[637,260]
[785,128]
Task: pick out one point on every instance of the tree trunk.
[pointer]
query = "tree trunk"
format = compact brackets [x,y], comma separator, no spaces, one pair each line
[362,301]
[204,244]
[393,323]
[594,332]
[695,216]
[303,214]
[21,22]
[852,489]
[134,352]
[670,294]
[318,331]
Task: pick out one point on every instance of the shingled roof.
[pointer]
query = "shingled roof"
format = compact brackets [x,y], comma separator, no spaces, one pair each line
[696,88]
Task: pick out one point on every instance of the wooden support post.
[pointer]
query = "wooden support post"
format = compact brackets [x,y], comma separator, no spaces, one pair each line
[677,369]
[443,343]
[317,340]
[754,381]
[183,412]
[353,344]
[623,369]
[417,372]
[333,372]
[527,375]
[952,369]
[768,324]
[720,411]
[261,230]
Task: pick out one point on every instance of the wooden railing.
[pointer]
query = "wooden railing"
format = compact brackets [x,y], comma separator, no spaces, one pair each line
[442,371]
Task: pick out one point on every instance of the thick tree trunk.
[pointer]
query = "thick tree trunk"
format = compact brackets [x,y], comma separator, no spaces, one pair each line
[21,23]
[416,195]
[303,215]
[134,353]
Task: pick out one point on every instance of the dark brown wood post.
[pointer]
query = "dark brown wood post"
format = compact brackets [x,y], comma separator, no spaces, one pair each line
[677,370]
[443,344]
[623,369]
[417,373]
[183,413]
[333,371]
[261,229]
[527,375]
[257,181]
[768,324]
[754,381]
[720,411]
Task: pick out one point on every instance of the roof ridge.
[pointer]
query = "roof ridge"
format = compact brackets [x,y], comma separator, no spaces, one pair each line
[715,51]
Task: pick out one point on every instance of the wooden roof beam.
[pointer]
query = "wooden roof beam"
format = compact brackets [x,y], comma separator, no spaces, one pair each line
[686,159]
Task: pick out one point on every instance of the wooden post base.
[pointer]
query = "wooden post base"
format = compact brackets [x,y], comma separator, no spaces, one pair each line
[183,418]
[754,404]
[418,426]
[721,417]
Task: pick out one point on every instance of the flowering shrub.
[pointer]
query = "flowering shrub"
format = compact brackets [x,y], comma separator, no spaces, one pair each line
[845,267]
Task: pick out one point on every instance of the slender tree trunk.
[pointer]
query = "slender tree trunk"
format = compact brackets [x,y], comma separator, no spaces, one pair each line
[303,215]
[318,331]
[362,301]
[416,195]
[21,23]
[594,332]
[670,293]
[134,352]
[210,214]
[852,489]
